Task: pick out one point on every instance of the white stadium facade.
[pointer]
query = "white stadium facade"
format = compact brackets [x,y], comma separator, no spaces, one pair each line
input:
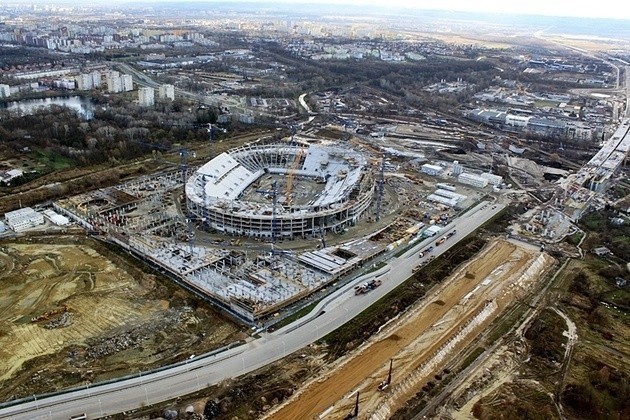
[281,190]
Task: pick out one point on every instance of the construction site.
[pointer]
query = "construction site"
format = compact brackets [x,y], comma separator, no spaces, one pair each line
[72,312]
[324,188]
[411,351]
[267,224]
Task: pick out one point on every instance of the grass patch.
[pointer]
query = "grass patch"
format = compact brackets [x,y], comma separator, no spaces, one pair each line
[507,322]
[471,358]
[402,250]
[296,315]
[376,267]
[575,238]
[54,160]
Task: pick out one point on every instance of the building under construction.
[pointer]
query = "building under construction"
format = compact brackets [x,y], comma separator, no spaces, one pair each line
[281,190]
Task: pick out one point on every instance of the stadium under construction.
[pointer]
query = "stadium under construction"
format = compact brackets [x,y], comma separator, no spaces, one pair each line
[263,191]
[281,190]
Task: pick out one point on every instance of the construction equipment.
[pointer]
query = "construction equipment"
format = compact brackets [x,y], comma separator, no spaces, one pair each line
[366,287]
[297,159]
[379,191]
[274,196]
[290,174]
[385,383]
[354,414]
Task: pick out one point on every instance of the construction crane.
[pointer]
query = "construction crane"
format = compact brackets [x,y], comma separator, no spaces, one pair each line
[291,170]
[354,414]
[385,383]
[182,151]
[210,130]
[379,189]
[183,163]
[290,174]
[274,196]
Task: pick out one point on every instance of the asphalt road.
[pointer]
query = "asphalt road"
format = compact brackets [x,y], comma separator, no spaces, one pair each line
[331,313]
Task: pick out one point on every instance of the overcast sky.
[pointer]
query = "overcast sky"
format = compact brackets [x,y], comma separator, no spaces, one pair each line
[582,8]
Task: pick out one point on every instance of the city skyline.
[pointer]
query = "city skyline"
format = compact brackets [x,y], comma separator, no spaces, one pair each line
[561,8]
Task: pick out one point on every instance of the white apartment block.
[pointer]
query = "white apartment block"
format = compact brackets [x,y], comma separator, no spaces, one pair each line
[432,170]
[127,82]
[5,91]
[25,218]
[114,84]
[493,179]
[458,168]
[84,81]
[472,179]
[146,96]
[96,79]
[167,92]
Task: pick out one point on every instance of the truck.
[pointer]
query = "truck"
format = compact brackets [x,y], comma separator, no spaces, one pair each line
[366,287]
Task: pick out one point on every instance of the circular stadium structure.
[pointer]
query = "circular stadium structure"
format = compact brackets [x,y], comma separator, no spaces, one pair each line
[281,190]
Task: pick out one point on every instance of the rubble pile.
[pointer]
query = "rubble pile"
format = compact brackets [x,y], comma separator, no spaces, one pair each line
[65,320]
[133,338]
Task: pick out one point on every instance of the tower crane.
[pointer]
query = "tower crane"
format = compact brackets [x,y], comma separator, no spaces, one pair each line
[379,190]
[210,129]
[291,170]
[183,165]
[385,383]
[274,195]
[354,414]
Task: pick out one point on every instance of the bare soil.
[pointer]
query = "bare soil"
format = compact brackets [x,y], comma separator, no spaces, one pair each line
[73,312]
[414,339]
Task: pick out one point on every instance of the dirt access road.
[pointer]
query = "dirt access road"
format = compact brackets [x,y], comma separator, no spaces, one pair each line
[420,342]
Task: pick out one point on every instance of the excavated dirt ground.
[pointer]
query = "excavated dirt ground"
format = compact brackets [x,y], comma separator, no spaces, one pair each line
[73,313]
[414,339]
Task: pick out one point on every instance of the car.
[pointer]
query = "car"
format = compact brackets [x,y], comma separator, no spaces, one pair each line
[429,249]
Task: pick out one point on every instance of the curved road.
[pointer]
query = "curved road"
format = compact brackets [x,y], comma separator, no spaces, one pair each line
[331,313]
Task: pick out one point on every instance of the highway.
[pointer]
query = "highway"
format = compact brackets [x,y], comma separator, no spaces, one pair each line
[328,315]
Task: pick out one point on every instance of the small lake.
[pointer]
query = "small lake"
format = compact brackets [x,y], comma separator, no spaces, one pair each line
[83,106]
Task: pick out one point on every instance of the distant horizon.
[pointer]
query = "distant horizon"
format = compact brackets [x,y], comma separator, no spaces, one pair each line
[606,9]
